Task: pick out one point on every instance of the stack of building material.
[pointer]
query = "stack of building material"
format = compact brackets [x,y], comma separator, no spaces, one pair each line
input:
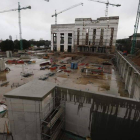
[74,64]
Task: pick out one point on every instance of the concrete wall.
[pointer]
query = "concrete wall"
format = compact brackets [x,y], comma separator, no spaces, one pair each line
[129,75]
[25,116]
[81,106]
[77,120]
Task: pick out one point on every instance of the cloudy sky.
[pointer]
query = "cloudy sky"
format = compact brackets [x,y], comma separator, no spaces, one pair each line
[36,22]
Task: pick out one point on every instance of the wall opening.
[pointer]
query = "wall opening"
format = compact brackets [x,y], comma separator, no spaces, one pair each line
[87,34]
[55,38]
[111,38]
[62,38]
[69,38]
[69,48]
[61,48]
[55,48]
[78,33]
[94,36]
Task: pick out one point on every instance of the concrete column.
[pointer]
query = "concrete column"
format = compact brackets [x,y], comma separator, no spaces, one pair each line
[51,42]
[58,42]
[125,71]
[128,78]
[135,76]
[65,42]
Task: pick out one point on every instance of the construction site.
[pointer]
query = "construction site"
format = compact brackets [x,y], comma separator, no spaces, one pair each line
[83,88]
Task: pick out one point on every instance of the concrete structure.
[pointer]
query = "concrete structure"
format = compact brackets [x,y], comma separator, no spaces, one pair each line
[9,54]
[27,106]
[130,74]
[85,35]
[86,114]
[2,65]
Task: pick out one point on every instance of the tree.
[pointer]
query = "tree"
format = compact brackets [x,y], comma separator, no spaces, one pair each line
[26,44]
[126,44]
[7,45]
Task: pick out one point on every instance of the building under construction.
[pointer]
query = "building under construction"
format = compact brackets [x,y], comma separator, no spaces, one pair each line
[85,35]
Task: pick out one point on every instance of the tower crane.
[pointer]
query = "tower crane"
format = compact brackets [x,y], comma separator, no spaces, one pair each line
[55,15]
[135,30]
[107,5]
[19,17]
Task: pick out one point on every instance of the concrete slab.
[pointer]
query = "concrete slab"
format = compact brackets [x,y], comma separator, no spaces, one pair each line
[34,90]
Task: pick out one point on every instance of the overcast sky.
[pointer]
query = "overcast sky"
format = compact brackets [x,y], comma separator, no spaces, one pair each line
[36,22]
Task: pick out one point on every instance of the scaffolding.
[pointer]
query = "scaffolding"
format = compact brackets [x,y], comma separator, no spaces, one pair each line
[52,124]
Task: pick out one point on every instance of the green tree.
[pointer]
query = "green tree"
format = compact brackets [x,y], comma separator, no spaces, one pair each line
[26,44]
[7,45]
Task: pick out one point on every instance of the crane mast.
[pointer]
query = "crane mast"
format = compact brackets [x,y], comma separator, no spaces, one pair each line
[135,30]
[19,17]
[20,32]
[107,5]
[55,15]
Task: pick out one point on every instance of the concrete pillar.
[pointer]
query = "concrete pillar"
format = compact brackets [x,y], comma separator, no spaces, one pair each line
[135,76]
[125,71]
[128,78]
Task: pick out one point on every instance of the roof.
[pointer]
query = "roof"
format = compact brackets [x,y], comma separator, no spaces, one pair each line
[81,19]
[34,90]
[101,18]
[108,18]
[62,25]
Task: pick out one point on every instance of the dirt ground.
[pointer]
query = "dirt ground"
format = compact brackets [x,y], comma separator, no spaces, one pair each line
[106,83]
[136,60]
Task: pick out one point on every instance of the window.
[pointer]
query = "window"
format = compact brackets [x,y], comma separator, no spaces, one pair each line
[87,33]
[61,48]
[55,48]
[78,33]
[94,36]
[111,38]
[101,37]
[69,38]
[62,38]
[69,48]
[54,38]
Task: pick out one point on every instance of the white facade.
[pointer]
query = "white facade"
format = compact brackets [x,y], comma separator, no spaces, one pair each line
[58,30]
[87,34]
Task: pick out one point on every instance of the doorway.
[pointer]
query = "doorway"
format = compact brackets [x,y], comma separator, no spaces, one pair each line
[62,48]
[69,48]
